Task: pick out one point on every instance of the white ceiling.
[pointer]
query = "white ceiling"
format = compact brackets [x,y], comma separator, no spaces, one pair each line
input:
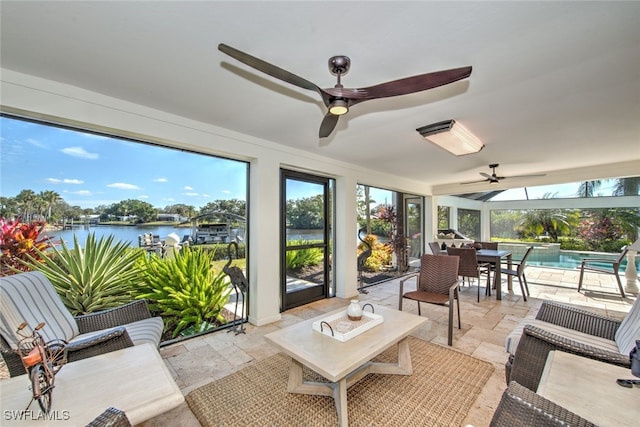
[555,85]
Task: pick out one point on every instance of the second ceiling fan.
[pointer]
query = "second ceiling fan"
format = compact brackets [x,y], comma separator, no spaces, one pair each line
[339,99]
[494,178]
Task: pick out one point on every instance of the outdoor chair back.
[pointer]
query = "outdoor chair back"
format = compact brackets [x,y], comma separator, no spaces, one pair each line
[517,270]
[595,264]
[437,283]
[470,268]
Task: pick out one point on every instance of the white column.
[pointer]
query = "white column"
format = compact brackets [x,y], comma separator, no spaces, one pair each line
[346,242]
[264,241]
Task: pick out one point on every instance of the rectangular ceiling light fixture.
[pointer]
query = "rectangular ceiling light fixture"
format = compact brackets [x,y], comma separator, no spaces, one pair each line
[451,136]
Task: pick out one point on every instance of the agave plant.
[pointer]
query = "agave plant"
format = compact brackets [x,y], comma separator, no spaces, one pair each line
[185,288]
[99,276]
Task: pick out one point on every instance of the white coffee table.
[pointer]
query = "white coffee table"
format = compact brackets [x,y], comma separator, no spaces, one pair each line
[345,363]
[134,380]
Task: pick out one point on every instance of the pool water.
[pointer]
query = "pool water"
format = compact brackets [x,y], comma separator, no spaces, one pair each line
[572,260]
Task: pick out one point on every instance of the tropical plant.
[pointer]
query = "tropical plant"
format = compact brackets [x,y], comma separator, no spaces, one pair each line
[184,289]
[18,242]
[297,259]
[97,277]
[380,253]
[550,222]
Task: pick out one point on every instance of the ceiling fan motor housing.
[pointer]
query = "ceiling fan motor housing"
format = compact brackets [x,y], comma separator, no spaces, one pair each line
[339,65]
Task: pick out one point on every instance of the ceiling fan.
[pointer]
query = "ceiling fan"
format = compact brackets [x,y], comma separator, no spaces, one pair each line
[494,178]
[339,99]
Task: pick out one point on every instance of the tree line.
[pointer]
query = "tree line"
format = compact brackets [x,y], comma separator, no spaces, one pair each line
[49,206]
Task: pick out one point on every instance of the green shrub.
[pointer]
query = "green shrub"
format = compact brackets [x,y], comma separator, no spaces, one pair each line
[185,289]
[380,253]
[97,277]
[297,259]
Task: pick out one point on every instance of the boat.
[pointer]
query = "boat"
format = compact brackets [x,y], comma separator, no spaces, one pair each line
[217,227]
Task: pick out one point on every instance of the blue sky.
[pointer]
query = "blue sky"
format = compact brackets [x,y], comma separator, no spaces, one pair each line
[88,170]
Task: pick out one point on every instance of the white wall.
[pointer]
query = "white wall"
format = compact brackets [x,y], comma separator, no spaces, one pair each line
[52,101]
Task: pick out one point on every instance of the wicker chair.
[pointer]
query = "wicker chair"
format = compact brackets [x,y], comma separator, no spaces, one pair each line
[30,297]
[112,417]
[437,283]
[469,267]
[521,407]
[572,330]
[595,264]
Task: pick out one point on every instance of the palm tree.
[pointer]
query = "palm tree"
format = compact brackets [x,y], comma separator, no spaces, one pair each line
[51,198]
[25,200]
[627,186]
[550,222]
[587,188]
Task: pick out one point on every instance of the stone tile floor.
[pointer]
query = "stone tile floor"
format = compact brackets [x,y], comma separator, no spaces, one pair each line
[485,326]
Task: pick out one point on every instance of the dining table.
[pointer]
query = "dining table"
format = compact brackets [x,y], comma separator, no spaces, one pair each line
[495,257]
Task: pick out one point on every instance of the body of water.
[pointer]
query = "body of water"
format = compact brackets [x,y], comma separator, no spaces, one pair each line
[571,260]
[125,233]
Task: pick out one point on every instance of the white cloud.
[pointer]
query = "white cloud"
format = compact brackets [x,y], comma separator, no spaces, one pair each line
[226,191]
[162,179]
[191,194]
[144,196]
[80,152]
[36,143]
[81,193]
[64,181]
[186,187]
[123,186]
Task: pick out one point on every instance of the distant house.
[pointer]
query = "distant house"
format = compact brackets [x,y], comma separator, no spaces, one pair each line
[170,217]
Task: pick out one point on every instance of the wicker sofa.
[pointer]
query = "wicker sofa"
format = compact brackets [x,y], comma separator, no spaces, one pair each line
[570,329]
[521,407]
[30,297]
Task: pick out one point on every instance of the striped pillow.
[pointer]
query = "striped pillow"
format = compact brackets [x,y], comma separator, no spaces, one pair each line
[629,330]
[30,297]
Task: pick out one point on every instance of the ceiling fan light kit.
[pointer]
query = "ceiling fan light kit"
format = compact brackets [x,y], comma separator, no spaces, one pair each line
[338,107]
[451,136]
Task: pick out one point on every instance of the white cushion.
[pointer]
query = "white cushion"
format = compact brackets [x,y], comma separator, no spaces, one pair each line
[514,337]
[629,330]
[142,331]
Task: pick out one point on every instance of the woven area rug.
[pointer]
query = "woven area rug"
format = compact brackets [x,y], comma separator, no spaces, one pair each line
[444,385]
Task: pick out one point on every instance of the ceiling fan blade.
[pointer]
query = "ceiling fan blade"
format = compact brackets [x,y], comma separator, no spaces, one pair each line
[328,125]
[410,84]
[474,182]
[527,176]
[268,68]
[486,175]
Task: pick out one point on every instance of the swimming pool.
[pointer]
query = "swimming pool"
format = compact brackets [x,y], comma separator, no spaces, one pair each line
[571,260]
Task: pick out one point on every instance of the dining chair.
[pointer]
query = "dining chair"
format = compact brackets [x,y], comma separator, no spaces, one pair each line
[517,270]
[437,283]
[488,245]
[435,248]
[595,264]
[469,267]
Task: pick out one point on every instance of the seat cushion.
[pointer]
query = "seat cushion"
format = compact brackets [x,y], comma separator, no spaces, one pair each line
[30,297]
[142,331]
[428,297]
[514,337]
[629,330]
